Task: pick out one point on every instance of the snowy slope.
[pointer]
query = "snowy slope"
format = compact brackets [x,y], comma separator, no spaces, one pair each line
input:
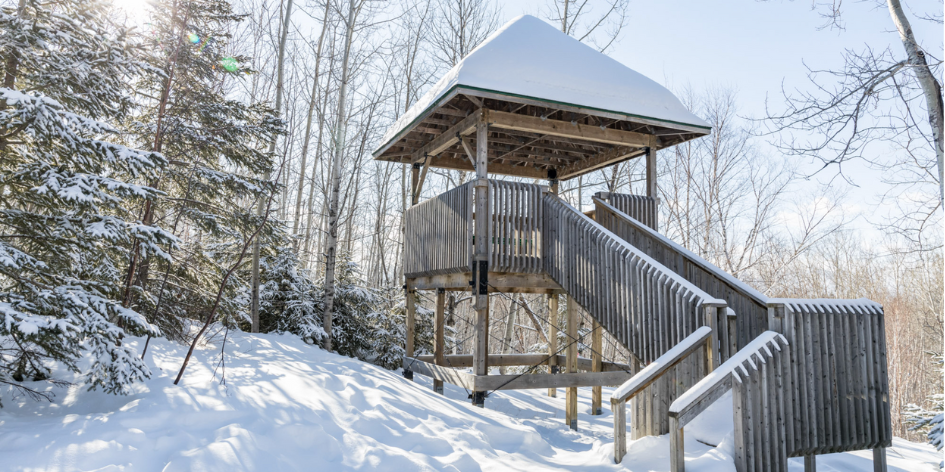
[289,406]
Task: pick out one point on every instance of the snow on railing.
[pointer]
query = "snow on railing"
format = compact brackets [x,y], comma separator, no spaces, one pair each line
[641,380]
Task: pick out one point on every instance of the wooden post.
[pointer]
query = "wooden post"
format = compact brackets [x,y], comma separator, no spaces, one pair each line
[571,400]
[597,362]
[677,448]
[414,183]
[879,459]
[711,351]
[481,257]
[651,189]
[553,367]
[553,339]
[810,463]
[438,345]
[620,429]
[509,332]
[411,316]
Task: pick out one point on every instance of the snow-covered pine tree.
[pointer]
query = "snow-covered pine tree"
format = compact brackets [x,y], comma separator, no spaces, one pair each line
[287,300]
[931,420]
[65,228]
[215,144]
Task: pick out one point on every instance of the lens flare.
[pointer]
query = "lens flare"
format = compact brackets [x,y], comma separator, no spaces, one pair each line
[229,64]
[193,38]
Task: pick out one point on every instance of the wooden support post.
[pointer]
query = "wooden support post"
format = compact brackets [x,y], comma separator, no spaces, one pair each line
[711,348]
[481,256]
[438,340]
[651,189]
[411,316]
[571,399]
[620,429]
[810,463]
[879,459]
[553,339]
[414,183]
[509,332]
[597,349]
[677,448]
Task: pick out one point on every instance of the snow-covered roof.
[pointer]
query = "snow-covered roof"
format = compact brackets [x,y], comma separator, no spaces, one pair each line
[530,59]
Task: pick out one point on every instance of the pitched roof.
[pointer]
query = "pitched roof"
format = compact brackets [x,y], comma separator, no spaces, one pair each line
[530,59]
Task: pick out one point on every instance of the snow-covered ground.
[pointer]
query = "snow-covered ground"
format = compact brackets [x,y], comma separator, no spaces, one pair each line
[291,406]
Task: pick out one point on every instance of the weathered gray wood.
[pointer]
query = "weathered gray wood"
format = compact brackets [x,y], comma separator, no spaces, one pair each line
[446,374]
[439,347]
[553,338]
[571,400]
[879,460]
[481,256]
[836,376]
[597,347]
[619,409]
[651,187]
[562,380]
[677,452]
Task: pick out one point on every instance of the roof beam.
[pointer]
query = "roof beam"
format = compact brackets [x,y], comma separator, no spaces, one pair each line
[534,124]
[447,162]
[448,138]
[601,160]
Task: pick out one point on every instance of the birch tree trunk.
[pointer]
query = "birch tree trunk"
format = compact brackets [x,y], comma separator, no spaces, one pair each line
[931,88]
[330,252]
[254,309]
[308,128]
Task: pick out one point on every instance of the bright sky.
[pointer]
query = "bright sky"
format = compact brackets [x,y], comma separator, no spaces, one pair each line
[753,47]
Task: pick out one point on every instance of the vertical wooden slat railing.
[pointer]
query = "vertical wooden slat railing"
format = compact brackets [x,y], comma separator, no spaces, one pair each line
[749,305]
[641,208]
[642,304]
[438,234]
[816,383]
[516,227]
[838,375]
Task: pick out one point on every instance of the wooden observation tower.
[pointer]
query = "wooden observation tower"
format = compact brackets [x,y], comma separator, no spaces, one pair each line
[534,103]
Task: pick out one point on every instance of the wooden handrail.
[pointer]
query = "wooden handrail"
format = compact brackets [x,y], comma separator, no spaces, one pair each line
[695,400]
[701,338]
[749,304]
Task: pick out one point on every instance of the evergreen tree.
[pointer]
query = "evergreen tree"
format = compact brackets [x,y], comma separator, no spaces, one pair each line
[930,421]
[215,144]
[66,186]
[287,298]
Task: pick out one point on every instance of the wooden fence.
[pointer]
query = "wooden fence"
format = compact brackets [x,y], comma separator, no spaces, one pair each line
[749,305]
[643,209]
[438,232]
[758,400]
[515,244]
[838,376]
[644,306]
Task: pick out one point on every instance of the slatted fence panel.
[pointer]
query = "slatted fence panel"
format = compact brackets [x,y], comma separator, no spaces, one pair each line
[759,399]
[643,209]
[838,377]
[639,302]
[750,309]
[515,244]
[438,234]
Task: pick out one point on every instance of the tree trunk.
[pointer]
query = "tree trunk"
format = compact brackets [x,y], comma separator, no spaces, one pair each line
[308,127]
[272,148]
[931,88]
[336,180]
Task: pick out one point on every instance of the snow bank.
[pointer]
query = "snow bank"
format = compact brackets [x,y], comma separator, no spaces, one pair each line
[290,406]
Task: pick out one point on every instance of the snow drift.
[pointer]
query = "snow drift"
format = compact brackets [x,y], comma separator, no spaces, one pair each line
[290,406]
